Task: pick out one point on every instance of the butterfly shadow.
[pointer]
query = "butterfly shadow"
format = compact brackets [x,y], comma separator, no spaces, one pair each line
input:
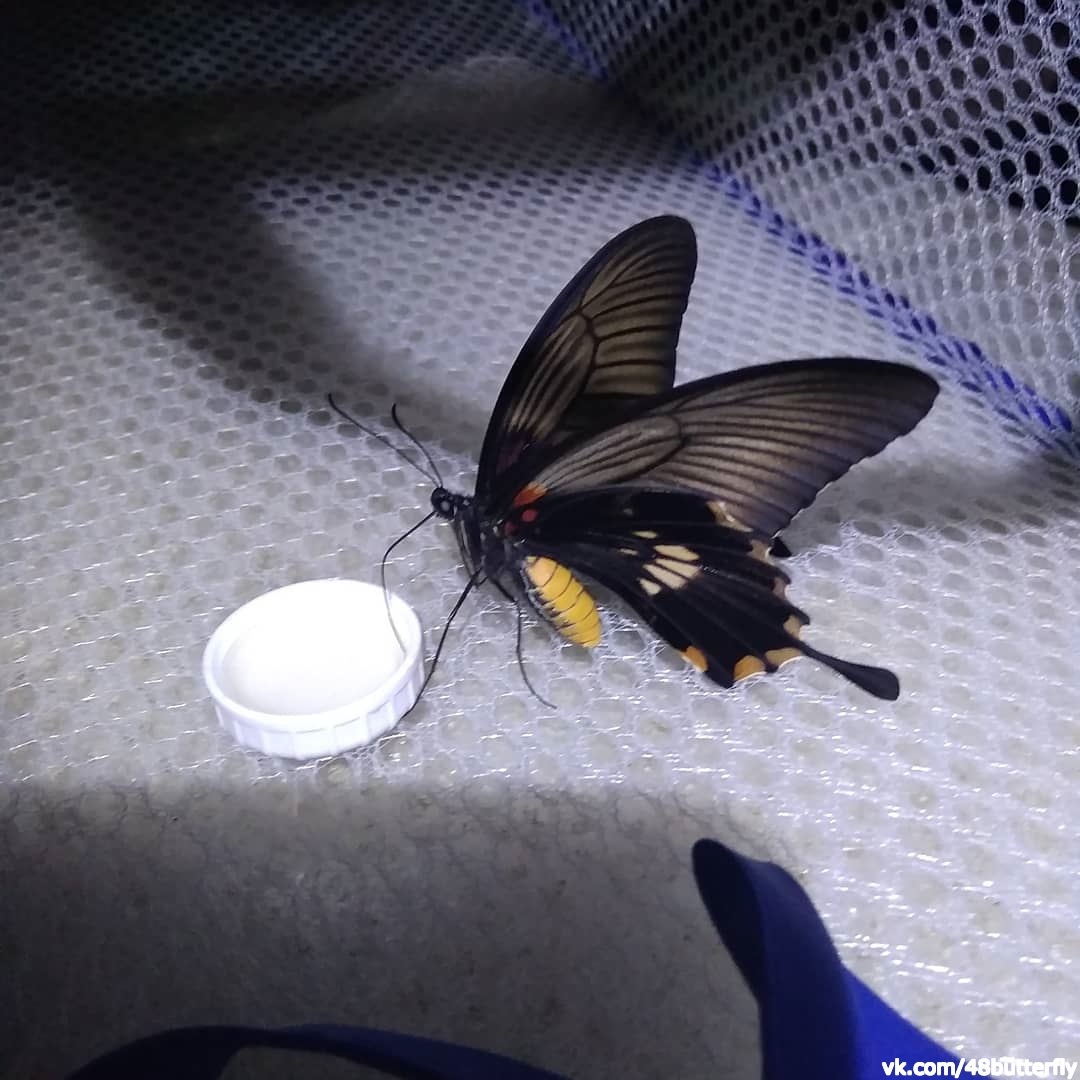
[162,184]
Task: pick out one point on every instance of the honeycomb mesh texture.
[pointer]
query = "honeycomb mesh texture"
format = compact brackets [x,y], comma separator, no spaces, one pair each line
[937,144]
[211,216]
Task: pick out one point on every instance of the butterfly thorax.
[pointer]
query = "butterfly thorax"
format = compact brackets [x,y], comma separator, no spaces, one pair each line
[481,546]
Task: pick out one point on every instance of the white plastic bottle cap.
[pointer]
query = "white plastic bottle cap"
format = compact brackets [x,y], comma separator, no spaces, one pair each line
[313,669]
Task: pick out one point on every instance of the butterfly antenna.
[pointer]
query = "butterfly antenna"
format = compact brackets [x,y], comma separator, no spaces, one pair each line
[436,479]
[475,580]
[409,435]
[521,661]
[382,574]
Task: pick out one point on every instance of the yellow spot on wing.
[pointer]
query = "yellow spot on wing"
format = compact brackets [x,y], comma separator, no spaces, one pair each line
[695,656]
[651,587]
[677,551]
[647,534]
[564,600]
[672,573]
[665,577]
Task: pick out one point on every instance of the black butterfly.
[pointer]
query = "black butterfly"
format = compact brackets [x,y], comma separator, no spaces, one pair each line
[594,466]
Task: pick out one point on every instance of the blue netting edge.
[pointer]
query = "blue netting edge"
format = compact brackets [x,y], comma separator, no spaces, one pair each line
[963,360]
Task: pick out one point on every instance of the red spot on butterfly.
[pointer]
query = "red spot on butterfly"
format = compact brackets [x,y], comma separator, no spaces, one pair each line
[529,494]
[529,516]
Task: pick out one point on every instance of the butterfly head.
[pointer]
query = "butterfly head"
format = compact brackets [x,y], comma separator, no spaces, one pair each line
[448,504]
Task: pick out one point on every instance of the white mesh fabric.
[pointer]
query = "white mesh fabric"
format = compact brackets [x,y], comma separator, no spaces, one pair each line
[212,219]
[938,144]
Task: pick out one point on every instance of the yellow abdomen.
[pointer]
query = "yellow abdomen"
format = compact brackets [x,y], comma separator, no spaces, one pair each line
[564,600]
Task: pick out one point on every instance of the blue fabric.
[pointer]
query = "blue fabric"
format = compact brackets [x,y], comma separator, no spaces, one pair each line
[781,947]
[818,1021]
[202,1053]
[882,1034]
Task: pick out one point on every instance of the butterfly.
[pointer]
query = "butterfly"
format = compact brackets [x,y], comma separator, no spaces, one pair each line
[596,467]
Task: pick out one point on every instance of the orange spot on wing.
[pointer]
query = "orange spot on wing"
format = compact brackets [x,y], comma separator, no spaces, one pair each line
[529,494]
[781,656]
[747,666]
[693,655]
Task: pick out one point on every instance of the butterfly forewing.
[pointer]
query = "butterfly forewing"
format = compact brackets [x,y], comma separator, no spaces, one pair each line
[761,441]
[607,342]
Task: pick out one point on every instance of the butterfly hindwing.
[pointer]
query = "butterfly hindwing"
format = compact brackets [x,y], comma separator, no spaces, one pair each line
[607,342]
[708,590]
[761,442]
